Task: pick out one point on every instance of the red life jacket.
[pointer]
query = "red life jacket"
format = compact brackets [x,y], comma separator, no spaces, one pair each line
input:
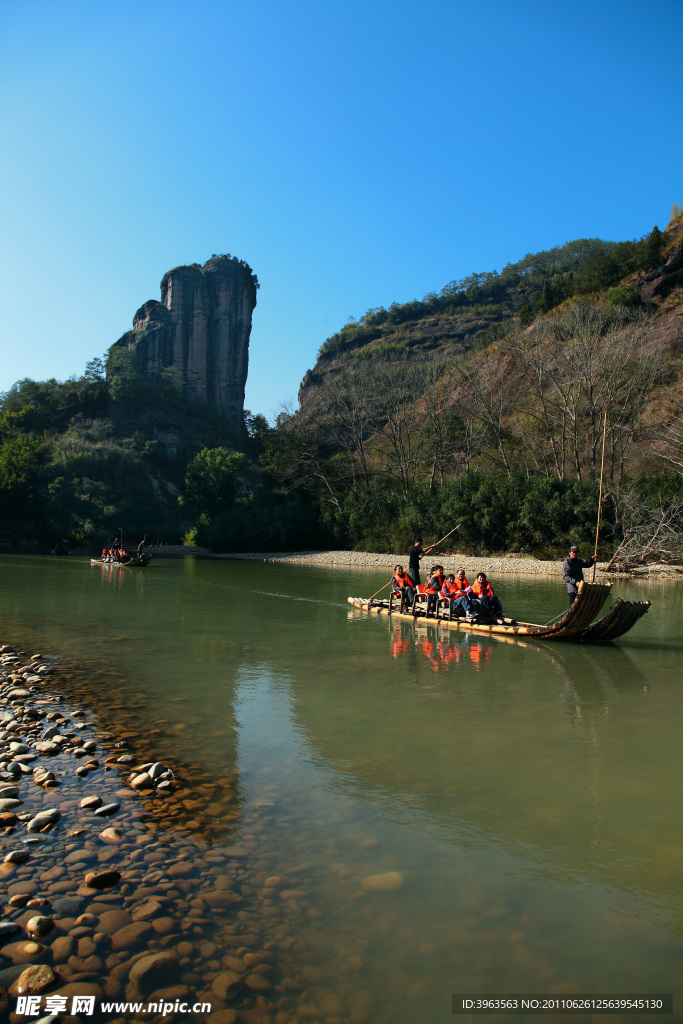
[435,583]
[403,581]
[484,591]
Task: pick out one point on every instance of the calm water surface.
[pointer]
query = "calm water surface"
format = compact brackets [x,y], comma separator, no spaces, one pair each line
[527,794]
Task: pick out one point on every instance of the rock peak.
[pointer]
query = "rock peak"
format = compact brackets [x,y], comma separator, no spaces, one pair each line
[201,327]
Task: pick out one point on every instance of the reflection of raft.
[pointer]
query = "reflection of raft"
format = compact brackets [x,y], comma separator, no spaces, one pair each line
[576,623]
[132,563]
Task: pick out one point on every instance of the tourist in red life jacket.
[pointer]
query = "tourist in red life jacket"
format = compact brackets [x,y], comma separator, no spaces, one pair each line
[457,591]
[435,582]
[482,591]
[402,584]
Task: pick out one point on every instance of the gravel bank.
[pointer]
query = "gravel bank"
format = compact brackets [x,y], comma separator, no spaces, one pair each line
[490,564]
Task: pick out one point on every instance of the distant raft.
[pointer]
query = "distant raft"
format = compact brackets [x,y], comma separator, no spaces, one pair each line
[575,625]
[133,563]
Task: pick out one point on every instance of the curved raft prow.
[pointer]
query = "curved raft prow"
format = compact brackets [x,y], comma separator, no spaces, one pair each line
[574,625]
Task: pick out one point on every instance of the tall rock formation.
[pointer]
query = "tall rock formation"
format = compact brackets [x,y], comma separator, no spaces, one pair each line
[201,327]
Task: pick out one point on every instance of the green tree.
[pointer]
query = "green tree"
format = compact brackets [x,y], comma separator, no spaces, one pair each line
[211,482]
[127,383]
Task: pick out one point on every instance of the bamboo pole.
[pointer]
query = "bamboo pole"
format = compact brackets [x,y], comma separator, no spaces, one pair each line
[381,589]
[602,471]
[436,543]
[430,548]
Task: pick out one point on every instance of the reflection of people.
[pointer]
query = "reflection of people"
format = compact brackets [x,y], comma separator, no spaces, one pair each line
[572,571]
[483,593]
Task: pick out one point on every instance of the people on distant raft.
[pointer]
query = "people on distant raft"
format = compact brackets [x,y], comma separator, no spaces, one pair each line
[572,571]
[456,591]
[403,585]
[141,546]
[483,594]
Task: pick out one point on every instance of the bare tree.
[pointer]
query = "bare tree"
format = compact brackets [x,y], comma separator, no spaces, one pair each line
[651,533]
[402,439]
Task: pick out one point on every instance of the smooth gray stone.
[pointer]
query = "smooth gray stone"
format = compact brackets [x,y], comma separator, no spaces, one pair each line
[16,857]
[107,809]
[67,906]
[8,929]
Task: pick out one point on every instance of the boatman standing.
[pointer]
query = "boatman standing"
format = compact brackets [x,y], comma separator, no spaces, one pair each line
[572,571]
[416,553]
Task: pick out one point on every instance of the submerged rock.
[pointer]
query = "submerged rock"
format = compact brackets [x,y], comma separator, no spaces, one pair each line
[102,879]
[387,882]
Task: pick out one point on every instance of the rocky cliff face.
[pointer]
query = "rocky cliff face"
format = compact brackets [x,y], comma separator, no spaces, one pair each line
[201,327]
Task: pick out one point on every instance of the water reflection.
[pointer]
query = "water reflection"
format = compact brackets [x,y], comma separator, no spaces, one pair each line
[441,652]
[523,792]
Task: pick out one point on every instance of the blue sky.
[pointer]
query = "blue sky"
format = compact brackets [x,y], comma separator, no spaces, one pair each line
[353,153]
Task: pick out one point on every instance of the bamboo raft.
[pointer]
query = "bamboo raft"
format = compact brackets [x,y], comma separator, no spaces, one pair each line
[575,625]
[132,563]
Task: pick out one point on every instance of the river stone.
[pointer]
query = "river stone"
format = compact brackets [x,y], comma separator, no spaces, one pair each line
[146,910]
[48,747]
[150,971]
[62,948]
[9,792]
[142,781]
[156,770]
[7,819]
[129,936]
[38,927]
[9,804]
[67,906]
[257,983]
[111,835]
[77,988]
[107,809]
[102,879]
[387,882]
[112,921]
[164,925]
[91,802]
[33,980]
[43,820]
[8,929]
[17,857]
[223,982]
[86,947]
[181,870]
[222,899]
[25,952]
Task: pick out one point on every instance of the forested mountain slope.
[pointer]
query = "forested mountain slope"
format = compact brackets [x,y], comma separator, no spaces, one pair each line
[487,402]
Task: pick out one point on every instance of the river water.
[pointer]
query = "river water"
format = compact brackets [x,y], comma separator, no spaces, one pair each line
[521,801]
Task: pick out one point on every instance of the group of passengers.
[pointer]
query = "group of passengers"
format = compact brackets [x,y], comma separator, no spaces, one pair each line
[114,554]
[462,600]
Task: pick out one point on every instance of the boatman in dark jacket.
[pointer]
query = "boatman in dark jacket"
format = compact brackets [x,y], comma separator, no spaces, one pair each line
[415,554]
[572,571]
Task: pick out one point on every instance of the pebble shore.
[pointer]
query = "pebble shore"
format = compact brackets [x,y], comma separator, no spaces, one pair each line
[114,885]
[492,565]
